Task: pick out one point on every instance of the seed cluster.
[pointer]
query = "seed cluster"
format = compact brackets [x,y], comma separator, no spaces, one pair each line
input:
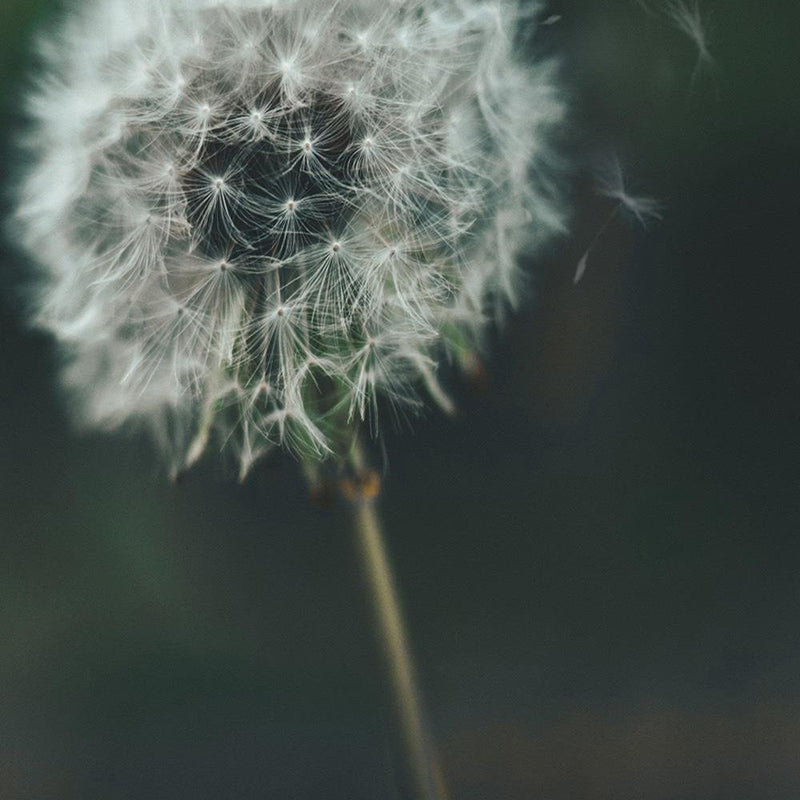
[256,218]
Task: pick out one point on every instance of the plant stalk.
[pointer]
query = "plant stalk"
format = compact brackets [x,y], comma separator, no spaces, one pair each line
[424,773]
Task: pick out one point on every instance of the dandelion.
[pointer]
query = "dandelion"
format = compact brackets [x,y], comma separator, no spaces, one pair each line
[258,220]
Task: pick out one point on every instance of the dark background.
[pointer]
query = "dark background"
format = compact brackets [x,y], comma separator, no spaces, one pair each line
[599,557]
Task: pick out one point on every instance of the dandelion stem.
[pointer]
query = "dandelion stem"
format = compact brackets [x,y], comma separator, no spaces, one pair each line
[425,776]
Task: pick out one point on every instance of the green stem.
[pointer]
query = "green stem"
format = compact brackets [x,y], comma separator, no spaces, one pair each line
[424,773]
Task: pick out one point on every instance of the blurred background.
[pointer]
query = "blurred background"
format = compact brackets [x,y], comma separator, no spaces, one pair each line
[599,557]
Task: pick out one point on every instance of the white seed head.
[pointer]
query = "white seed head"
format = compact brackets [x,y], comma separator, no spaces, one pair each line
[255,218]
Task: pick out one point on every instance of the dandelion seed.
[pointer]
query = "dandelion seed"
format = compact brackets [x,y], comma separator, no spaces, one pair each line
[611,184]
[581,268]
[685,16]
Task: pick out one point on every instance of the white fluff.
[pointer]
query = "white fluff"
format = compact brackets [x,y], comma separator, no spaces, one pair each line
[255,217]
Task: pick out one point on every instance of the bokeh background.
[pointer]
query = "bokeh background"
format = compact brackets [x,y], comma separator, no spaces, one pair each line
[599,556]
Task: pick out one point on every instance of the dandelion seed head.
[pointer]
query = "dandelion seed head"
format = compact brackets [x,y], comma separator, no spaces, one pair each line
[254,220]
